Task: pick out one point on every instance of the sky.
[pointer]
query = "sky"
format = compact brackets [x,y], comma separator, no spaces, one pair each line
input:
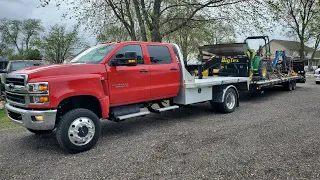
[49,15]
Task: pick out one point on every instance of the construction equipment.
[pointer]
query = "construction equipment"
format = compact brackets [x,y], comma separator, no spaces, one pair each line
[237,59]
[282,65]
[260,63]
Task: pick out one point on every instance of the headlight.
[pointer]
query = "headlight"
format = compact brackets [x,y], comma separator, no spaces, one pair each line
[38,87]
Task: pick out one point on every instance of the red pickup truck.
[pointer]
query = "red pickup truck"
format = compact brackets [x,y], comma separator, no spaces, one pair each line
[112,81]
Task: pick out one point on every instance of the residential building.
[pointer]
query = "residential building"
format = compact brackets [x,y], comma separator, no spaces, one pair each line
[292,50]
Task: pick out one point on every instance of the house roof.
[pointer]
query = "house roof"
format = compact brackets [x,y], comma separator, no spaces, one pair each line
[291,45]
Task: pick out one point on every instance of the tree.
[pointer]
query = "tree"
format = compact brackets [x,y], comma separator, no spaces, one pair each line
[196,34]
[297,16]
[33,54]
[153,20]
[18,35]
[58,44]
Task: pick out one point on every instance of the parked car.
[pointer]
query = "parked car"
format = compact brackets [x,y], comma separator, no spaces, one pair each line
[14,65]
[317,75]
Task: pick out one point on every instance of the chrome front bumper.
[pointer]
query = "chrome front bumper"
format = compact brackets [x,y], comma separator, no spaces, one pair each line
[26,118]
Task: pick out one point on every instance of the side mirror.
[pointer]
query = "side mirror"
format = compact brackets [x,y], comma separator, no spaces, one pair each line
[129,59]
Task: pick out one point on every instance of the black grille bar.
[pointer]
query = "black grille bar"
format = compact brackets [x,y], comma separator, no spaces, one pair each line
[15,81]
[16,98]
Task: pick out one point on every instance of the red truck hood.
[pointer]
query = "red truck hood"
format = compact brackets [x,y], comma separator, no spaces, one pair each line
[61,69]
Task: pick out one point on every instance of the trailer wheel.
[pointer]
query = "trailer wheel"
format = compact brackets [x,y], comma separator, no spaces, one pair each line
[39,132]
[229,103]
[288,86]
[294,85]
[78,130]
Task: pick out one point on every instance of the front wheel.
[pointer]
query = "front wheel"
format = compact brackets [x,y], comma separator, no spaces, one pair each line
[78,130]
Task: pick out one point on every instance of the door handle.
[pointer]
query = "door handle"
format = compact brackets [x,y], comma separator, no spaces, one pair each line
[143,70]
[173,69]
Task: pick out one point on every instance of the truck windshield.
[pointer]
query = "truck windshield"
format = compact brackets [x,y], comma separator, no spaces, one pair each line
[93,55]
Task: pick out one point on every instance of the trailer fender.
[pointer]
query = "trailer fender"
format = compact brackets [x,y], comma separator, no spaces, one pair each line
[219,92]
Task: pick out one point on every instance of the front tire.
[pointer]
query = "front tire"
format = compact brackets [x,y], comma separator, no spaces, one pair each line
[40,132]
[78,130]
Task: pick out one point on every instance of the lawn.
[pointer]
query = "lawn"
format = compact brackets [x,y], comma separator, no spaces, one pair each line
[4,121]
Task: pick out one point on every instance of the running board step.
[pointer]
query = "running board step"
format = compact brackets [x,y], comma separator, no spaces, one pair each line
[168,108]
[132,115]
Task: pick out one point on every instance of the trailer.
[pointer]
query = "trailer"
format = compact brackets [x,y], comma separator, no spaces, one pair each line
[238,60]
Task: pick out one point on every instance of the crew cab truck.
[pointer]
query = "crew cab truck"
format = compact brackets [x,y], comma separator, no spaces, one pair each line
[112,81]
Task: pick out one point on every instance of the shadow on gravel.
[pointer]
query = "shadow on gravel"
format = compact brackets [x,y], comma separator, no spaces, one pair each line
[48,144]
[40,143]
[266,93]
[191,113]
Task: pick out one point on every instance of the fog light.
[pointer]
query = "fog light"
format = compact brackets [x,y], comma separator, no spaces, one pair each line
[44,99]
[39,118]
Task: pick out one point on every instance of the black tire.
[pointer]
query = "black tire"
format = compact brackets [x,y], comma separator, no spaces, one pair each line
[40,132]
[317,82]
[66,121]
[223,107]
[215,106]
[288,86]
[294,85]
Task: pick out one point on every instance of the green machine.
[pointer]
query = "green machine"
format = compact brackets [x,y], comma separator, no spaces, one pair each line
[260,61]
[238,60]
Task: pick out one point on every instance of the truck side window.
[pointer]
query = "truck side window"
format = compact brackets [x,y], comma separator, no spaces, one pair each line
[159,54]
[135,48]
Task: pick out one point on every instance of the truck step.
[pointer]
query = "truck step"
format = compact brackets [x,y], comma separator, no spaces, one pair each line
[120,118]
[168,108]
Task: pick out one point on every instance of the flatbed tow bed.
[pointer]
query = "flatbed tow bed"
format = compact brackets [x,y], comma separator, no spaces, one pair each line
[257,85]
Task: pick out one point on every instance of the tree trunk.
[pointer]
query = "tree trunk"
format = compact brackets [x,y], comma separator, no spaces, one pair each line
[140,20]
[316,45]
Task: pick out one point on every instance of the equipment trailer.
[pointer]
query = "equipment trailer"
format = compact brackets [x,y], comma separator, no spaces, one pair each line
[238,60]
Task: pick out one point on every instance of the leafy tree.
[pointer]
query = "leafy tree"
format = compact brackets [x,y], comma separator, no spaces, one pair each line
[153,20]
[33,54]
[59,43]
[298,16]
[194,35]
[18,35]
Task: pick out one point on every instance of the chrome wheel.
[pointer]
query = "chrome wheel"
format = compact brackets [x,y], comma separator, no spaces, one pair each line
[230,100]
[81,131]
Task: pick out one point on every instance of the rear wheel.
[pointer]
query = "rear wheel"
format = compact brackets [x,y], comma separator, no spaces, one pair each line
[40,132]
[229,104]
[288,86]
[294,85]
[78,130]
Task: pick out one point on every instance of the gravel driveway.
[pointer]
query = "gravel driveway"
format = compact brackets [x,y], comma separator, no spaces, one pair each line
[275,135]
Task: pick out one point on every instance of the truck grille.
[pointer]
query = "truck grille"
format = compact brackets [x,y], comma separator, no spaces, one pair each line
[16,98]
[15,81]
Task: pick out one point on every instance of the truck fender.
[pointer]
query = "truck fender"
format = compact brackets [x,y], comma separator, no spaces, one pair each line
[219,92]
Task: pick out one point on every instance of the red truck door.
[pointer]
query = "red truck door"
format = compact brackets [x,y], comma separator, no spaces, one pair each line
[129,84]
[164,71]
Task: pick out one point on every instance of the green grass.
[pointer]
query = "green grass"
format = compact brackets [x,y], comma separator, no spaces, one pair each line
[5,122]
